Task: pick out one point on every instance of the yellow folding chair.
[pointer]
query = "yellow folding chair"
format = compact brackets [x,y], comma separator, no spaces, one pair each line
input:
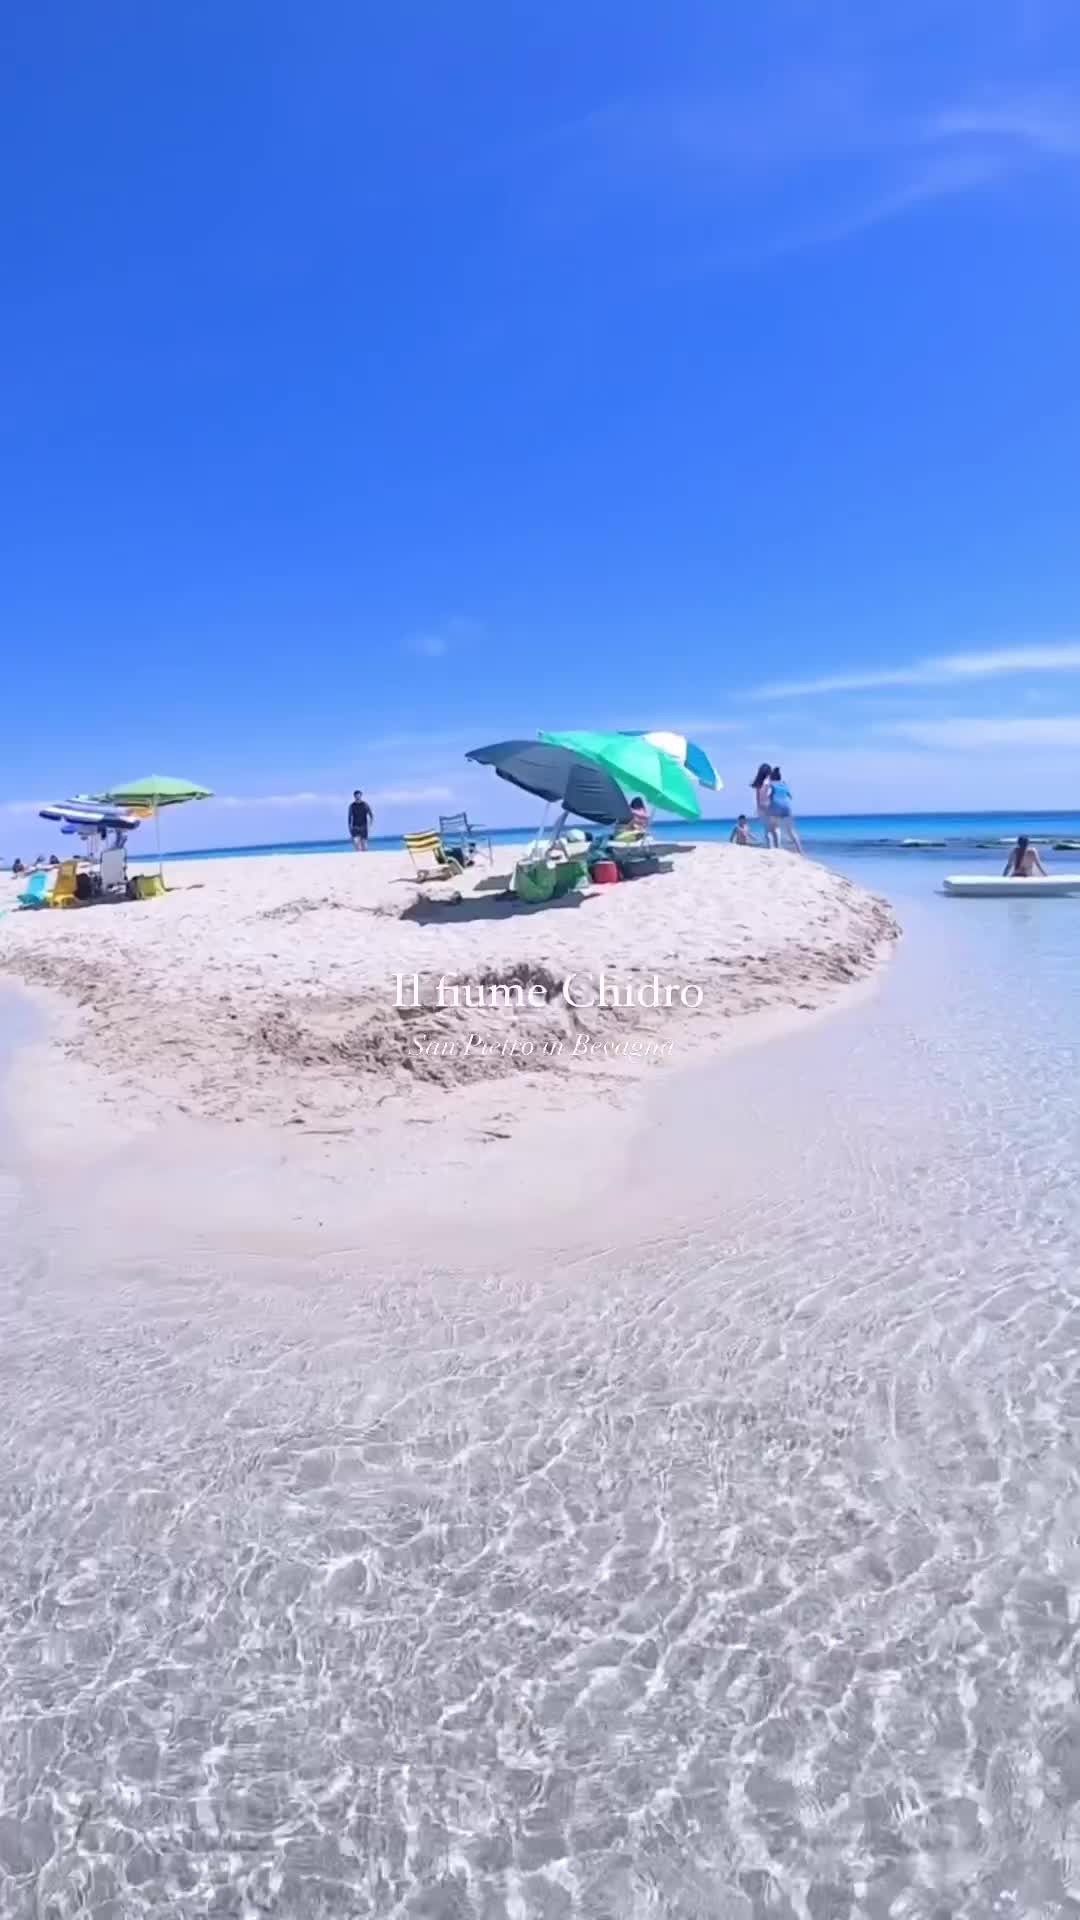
[63,890]
[430,858]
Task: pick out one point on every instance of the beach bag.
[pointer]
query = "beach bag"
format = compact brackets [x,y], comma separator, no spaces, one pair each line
[534,883]
[569,876]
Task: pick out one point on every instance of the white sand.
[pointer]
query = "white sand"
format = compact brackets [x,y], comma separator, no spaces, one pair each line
[266,989]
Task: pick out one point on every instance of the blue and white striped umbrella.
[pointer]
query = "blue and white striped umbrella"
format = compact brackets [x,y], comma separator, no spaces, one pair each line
[689,755]
[77,815]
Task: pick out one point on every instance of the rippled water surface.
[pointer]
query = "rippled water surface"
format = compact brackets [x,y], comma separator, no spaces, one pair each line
[742,1578]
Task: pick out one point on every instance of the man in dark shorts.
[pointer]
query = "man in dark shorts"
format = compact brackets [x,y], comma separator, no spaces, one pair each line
[360,819]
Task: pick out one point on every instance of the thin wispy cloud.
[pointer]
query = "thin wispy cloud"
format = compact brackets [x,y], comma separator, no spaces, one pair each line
[307,798]
[420,740]
[410,796]
[461,739]
[696,137]
[1044,123]
[939,177]
[975,734]
[706,729]
[936,671]
[402,796]
[431,643]
[893,775]
[969,146]
[736,163]
[949,154]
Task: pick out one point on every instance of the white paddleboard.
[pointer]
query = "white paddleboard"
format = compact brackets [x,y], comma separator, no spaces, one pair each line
[980,886]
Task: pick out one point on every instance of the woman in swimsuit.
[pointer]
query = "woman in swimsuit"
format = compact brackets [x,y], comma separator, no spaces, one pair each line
[1023,862]
[781,812]
[761,787]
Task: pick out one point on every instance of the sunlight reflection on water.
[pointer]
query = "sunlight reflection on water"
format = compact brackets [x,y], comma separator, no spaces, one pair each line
[737,1579]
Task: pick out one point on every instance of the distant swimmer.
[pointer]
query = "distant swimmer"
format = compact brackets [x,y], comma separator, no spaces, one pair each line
[1023,862]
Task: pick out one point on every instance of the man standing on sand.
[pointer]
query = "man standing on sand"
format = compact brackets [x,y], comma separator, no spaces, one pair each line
[360,819]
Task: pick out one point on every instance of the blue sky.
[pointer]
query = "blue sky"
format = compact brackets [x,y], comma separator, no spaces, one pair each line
[383,381]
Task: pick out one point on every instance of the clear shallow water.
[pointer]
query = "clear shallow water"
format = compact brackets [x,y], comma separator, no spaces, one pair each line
[824,833]
[740,1579]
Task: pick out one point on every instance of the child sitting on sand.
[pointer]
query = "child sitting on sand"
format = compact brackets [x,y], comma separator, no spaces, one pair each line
[740,835]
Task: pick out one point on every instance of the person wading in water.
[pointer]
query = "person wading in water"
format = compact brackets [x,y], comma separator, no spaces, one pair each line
[1023,862]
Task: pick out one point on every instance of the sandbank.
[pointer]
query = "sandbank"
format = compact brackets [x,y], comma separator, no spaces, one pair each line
[310,1015]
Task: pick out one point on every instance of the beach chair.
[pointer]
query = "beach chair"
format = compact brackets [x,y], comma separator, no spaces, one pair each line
[36,891]
[63,893]
[460,837]
[114,870]
[430,858]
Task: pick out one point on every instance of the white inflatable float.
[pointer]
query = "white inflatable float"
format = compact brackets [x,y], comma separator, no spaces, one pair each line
[984,886]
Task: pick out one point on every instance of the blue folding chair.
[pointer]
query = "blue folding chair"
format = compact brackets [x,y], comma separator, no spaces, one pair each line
[36,893]
[460,837]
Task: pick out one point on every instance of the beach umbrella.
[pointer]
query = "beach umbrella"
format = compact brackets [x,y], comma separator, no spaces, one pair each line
[154,791]
[637,765]
[556,774]
[689,755]
[75,816]
[89,820]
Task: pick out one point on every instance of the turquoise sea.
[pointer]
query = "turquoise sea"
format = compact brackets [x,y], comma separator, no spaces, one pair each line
[972,835]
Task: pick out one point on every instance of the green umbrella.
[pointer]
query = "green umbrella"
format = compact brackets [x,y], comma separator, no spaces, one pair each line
[638,766]
[155,790]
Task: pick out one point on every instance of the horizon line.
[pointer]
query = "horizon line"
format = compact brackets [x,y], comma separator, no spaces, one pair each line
[688,827]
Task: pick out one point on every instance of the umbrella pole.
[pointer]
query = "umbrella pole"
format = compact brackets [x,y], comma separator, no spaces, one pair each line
[558,827]
[157,837]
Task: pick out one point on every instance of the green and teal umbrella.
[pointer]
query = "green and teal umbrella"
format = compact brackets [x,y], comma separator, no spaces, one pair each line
[152,792]
[638,765]
[689,755]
